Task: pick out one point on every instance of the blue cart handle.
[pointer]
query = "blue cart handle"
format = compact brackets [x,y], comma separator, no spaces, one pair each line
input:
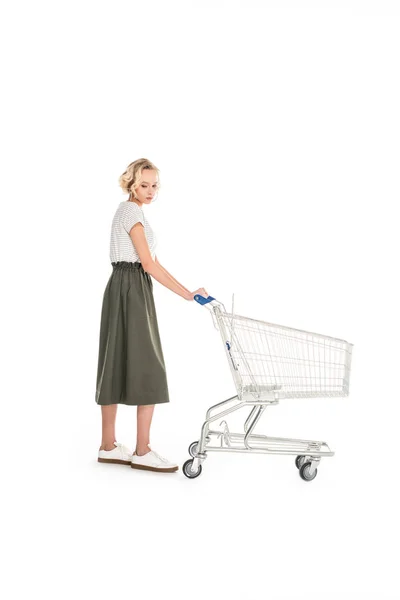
[202,299]
[210,301]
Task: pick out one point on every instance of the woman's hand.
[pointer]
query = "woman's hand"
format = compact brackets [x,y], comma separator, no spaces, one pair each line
[200,291]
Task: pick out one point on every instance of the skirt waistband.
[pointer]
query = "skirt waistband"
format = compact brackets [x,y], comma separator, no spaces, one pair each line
[123,264]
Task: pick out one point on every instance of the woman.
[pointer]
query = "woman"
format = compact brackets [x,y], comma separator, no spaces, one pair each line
[131,367]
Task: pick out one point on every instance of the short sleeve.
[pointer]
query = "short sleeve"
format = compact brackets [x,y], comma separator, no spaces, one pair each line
[132,215]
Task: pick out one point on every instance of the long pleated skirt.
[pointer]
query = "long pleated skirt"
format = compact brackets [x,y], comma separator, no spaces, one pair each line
[131,367]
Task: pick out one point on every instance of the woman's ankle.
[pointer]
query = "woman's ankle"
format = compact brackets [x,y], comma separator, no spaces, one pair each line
[107,446]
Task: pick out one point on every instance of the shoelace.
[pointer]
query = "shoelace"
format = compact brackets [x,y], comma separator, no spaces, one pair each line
[159,456]
[124,448]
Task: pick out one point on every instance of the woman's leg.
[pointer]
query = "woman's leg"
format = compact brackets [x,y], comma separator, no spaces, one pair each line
[144,416]
[108,415]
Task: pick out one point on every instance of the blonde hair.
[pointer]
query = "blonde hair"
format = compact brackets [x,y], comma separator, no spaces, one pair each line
[131,178]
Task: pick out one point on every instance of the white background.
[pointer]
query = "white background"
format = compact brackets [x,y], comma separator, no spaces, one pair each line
[275,126]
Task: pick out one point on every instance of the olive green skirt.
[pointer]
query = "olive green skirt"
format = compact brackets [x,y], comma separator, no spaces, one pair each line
[131,367]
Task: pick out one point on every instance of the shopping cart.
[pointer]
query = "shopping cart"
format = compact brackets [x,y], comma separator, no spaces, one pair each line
[269,362]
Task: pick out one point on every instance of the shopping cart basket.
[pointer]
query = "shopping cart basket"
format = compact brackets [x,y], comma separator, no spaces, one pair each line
[269,362]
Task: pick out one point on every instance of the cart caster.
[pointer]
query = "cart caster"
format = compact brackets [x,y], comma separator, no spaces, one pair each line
[188,471]
[300,461]
[304,472]
[193,449]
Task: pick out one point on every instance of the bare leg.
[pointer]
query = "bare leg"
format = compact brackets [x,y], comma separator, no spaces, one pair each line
[108,414]
[144,417]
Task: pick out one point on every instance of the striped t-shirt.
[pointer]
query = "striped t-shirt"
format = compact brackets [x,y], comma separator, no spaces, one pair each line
[121,246]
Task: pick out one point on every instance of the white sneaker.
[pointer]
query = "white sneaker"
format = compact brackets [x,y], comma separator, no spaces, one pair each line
[120,455]
[152,461]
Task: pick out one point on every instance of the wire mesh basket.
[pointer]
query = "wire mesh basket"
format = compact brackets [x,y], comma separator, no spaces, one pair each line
[291,363]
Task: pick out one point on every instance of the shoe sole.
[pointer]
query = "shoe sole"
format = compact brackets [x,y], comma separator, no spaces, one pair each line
[145,468]
[116,461]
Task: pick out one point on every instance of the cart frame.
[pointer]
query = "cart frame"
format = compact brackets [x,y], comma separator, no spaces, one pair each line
[261,390]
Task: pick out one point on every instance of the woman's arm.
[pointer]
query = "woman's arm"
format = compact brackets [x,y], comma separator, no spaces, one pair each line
[187,292]
[153,267]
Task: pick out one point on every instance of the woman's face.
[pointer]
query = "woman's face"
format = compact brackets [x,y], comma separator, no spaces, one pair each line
[147,187]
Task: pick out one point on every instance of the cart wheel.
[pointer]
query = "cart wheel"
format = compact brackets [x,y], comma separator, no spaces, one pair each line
[193,448]
[299,461]
[305,472]
[187,469]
